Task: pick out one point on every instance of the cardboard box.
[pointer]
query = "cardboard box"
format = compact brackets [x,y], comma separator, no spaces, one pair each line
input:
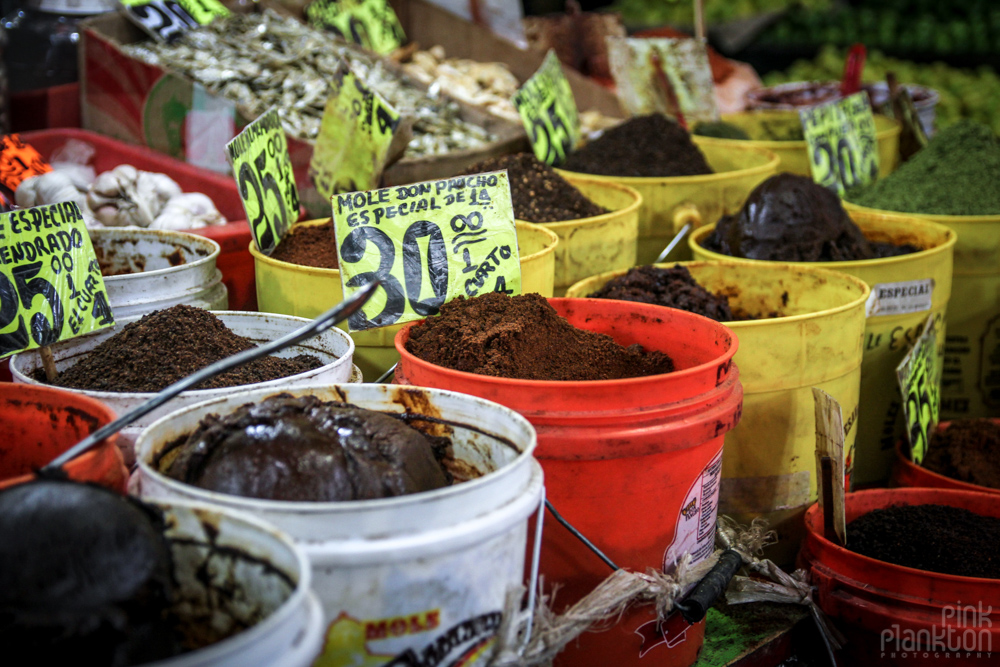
[148,105]
[428,25]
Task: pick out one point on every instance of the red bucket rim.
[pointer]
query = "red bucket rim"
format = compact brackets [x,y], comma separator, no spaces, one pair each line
[947,482]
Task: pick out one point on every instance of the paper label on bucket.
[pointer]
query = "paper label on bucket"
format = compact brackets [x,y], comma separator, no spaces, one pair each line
[843,151]
[911,296]
[547,109]
[166,20]
[263,170]
[427,243]
[51,287]
[354,138]
[369,23]
[695,529]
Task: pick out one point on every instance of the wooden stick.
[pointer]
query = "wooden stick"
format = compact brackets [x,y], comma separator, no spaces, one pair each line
[826,463]
[48,363]
[699,20]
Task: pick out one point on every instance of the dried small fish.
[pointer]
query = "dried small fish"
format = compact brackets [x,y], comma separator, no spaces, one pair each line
[263,60]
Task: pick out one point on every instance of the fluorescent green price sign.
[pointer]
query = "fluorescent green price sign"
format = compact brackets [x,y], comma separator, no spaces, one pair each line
[548,111]
[259,155]
[354,137]
[166,20]
[371,23]
[843,152]
[427,243]
[919,377]
[51,287]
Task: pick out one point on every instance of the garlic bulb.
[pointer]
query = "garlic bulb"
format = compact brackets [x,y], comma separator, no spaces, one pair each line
[48,188]
[126,196]
[188,211]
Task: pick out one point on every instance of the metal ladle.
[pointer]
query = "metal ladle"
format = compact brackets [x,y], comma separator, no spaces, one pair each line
[327,320]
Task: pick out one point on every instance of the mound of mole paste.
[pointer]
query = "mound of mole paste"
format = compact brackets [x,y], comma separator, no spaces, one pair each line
[523,337]
[84,573]
[968,450]
[790,218]
[304,449]
[168,345]
[674,287]
[652,146]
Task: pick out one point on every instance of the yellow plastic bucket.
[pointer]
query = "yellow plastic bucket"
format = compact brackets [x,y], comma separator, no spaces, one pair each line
[970,381]
[306,291]
[794,155]
[599,243]
[670,203]
[769,469]
[887,337]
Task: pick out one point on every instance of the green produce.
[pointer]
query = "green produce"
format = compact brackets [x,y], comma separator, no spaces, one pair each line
[681,12]
[965,93]
[720,130]
[957,173]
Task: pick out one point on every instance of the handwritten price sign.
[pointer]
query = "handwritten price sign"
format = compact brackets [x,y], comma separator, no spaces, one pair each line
[370,23]
[51,287]
[548,111]
[920,381]
[354,137]
[454,237]
[166,20]
[259,155]
[843,151]
[18,162]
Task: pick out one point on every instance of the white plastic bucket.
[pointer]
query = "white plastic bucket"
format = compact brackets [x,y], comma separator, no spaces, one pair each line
[425,573]
[264,581]
[333,347]
[170,268]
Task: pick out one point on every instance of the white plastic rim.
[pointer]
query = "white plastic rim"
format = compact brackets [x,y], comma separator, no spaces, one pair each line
[333,347]
[162,282]
[291,635]
[508,467]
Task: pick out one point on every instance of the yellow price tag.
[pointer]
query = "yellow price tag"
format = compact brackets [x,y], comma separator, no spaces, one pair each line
[843,151]
[354,137]
[370,23]
[51,287]
[548,111]
[453,237]
[919,377]
[165,20]
[259,155]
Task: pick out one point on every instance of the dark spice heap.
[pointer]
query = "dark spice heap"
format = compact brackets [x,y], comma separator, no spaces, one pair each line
[674,287]
[168,345]
[641,146]
[309,245]
[304,449]
[523,337]
[968,451]
[539,193]
[790,218]
[957,173]
[936,538]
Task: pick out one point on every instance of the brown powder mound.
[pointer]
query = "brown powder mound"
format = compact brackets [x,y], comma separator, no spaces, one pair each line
[167,345]
[790,218]
[968,451]
[523,337]
[674,288]
[309,245]
[935,538]
[538,192]
[642,146]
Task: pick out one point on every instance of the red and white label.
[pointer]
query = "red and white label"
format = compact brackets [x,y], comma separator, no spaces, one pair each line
[695,531]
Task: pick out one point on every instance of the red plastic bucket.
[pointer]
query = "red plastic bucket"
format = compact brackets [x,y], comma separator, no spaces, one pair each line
[894,615]
[633,464]
[37,424]
[907,473]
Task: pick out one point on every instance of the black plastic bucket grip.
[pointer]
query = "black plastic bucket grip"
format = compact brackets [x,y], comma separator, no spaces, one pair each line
[694,607]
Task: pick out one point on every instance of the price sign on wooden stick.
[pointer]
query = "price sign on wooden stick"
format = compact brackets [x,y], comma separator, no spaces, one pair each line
[843,151]
[51,287]
[832,467]
[919,377]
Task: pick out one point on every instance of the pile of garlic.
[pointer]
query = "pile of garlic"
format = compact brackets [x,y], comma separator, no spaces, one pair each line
[123,197]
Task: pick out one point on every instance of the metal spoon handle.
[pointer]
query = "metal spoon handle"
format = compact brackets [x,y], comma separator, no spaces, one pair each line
[327,320]
[673,243]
